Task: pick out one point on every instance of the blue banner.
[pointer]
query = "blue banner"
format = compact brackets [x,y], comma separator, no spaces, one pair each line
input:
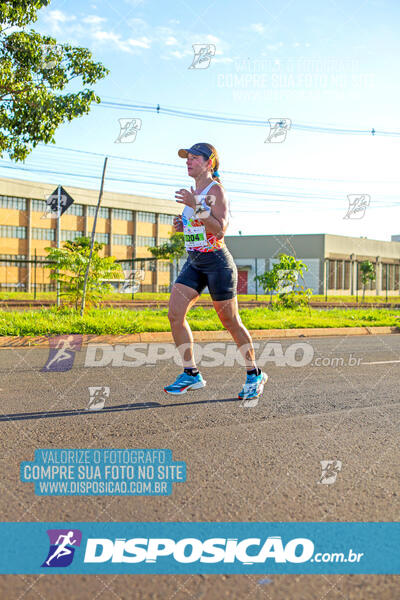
[219,548]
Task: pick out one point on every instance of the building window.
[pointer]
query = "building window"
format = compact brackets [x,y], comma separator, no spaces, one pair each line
[43,234]
[146,217]
[70,235]
[142,240]
[103,212]
[11,231]
[13,202]
[14,287]
[388,276]
[45,287]
[163,240]
[142,264]
[340,275]
[126,264]
[139,264]
[75,209]
[392,276]
[102,238]
[347,267]
[122,240]
[163,265]
[8,260]
[167,219]
[358,271]
[38,205]
[331,274]
[396,277]
[122,214]
[383,276]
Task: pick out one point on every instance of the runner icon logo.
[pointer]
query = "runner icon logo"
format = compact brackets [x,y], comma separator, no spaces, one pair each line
[133,281]
[62,547]
[203,54]
[62,353]
[278,129]
[98,397]
[128,130]
[52,55]
[358,204]
[330,469]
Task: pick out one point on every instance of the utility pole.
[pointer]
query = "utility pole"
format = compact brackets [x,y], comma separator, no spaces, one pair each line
[92,241]
[58,240]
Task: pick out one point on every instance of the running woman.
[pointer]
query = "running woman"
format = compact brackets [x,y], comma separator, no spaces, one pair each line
[204,221]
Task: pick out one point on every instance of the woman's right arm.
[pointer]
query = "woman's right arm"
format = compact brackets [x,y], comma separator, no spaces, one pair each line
[178,224]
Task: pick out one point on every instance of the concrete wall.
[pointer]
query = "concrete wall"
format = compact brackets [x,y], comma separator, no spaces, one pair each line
[315,250]
[270,246]
[339,246]
[311,246]
[253,267]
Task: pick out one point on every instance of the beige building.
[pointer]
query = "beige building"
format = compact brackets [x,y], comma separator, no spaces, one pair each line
[333,261]
[126,223]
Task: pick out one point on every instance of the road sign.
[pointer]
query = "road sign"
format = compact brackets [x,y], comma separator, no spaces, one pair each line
[52,210]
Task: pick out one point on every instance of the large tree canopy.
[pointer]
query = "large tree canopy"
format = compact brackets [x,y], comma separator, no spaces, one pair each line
[34,74]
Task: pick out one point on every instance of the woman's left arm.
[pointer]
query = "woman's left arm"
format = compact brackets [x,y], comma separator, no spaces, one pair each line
[217,221]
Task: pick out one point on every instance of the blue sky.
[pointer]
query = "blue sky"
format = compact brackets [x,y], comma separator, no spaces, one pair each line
[331,63]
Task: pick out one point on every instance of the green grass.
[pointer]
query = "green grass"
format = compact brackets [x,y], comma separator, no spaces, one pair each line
[119,321]
[395,299]
[52,296]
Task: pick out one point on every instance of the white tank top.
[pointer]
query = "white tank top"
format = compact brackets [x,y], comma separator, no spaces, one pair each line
[196,237]
[188,211]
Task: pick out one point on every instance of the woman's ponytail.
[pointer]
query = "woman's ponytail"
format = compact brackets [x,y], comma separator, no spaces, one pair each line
[215,163]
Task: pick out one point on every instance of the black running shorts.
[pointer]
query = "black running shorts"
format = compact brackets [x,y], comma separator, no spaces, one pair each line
[215,270]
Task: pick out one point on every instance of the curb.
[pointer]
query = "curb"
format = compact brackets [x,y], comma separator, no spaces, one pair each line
[199,336]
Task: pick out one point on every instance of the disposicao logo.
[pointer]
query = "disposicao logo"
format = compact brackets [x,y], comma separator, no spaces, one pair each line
[62,547]
[190,550]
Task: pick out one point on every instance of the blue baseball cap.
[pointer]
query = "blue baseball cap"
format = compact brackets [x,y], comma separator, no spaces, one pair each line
[198,149]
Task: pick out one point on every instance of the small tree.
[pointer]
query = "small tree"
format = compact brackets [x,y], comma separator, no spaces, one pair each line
[367,271]
[172,250]
[283,278]
[269,281]
[71,262]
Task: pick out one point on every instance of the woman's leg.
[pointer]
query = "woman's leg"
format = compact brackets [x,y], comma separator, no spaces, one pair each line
[182,298]
[228,312]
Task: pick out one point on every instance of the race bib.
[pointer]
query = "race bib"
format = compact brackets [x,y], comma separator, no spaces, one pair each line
[194,236]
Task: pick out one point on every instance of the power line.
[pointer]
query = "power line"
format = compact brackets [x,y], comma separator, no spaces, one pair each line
[281,197]
[240,173]
[118,174]
[165,182]
[229,119]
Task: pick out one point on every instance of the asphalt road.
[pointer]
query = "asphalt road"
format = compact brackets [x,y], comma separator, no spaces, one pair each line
[243,464]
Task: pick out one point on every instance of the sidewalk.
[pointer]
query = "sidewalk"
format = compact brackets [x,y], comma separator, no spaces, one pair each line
[199,336]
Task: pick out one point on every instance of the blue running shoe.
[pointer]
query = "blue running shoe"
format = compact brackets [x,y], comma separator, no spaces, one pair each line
[252,389]
[184,383]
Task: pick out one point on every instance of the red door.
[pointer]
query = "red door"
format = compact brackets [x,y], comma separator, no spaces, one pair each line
[242,282]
